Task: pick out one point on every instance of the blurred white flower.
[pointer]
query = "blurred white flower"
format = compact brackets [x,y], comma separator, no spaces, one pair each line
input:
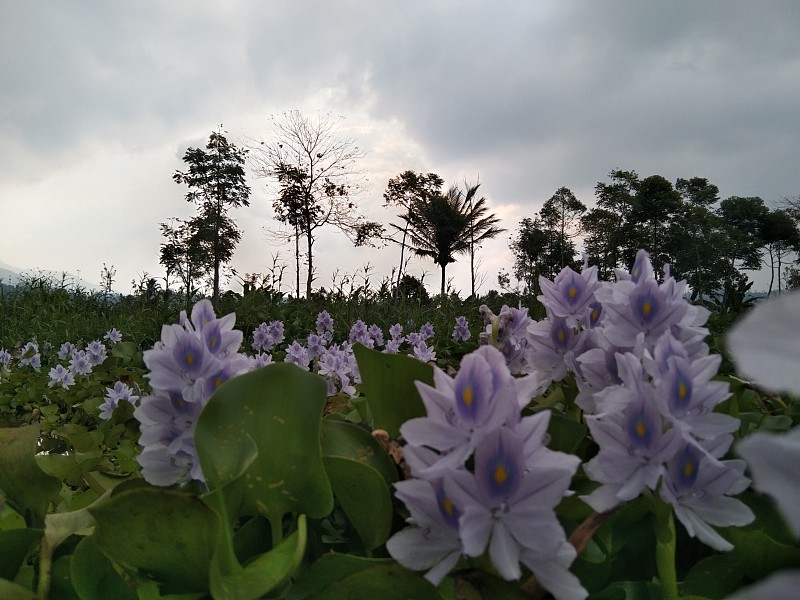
[766,347]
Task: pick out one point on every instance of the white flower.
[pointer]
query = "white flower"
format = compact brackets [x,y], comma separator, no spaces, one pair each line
[766,347]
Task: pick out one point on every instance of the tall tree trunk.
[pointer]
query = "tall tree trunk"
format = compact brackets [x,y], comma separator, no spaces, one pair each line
[443,280]
[771,270]
[402,252]
[310,276]
[297,259]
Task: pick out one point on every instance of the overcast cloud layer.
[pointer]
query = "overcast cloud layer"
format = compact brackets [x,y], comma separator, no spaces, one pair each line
[100,100]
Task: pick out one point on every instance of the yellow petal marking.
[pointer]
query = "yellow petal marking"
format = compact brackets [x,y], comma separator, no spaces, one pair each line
[467,396]
[500,474]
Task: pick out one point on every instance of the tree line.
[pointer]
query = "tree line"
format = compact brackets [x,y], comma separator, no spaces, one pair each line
[705,240]
[315,177]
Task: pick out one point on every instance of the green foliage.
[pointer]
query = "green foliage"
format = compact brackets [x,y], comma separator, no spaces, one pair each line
[298,502]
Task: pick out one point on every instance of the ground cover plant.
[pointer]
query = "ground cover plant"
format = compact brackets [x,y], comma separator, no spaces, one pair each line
[592,445]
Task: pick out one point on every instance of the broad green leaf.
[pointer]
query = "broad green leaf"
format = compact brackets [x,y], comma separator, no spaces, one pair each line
[345,577]
[94,576]
[15,545]
[278,408]
[13,591]
[266,572]
[754,556]
[566,434]
[28,490]
[162,533]
[341,438]
[388,382]
[364,496]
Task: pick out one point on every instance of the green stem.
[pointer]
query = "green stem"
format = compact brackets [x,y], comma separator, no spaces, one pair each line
[665,547]
[45,568]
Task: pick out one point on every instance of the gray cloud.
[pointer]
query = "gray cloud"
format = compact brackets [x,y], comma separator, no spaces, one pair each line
[530,96]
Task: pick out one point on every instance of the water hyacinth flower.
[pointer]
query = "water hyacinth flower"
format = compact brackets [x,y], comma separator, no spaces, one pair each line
[185,368]
[59,375]
[114,395]
[433,542]
[325,325]
[461,331]
[113,336]
[30,356]
[570,294]
[5,359]
[80,364]
[504,501]
[698,486]
[96,352]
[461,410]
[422,352]
[508,504]
[66,351]
[265,337]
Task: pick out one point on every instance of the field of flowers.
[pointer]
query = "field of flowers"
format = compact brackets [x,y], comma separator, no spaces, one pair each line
[603,450]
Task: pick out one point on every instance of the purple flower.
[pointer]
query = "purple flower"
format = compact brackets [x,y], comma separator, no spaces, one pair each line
[461,331]
[396,331]
[30,356]
[570,294]
[508,503]
[426,331]
[5,359]
[325,325]
[266,336]
[633,448]
[120,392]
[67,350]
[376,334]
[422,352]
[113,336]
[61,376]
[297,354]
[80,364]
[697,485]
[185,368]
[392,346]
[96,352]
[483,396]
[432,542]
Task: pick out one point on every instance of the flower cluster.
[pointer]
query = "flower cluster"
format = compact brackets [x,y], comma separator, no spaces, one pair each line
[645,379]
[120,392]
[189,363]
[484,480]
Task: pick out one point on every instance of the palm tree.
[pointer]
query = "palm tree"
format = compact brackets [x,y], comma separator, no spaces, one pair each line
[446,225]
[482,226]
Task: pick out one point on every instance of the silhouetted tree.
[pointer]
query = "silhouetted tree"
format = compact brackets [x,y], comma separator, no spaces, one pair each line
[482,225]
[405,191]
[216,182]
[317,170]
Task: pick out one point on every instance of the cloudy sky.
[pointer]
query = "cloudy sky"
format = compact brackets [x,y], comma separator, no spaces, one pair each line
[99,101]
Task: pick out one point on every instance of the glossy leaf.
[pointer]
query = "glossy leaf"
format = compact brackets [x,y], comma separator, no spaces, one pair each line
[264,573]
[162,533]
[388,382]
[27,489]
[345,577]
[15,545]
[13,591]
[364,496]
[94,577]
[277,408]
[345,439]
